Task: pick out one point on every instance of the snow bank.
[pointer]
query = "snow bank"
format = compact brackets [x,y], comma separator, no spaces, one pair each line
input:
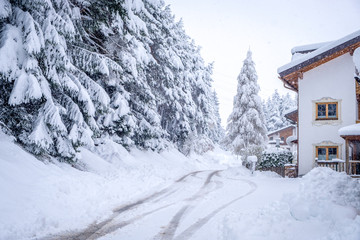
[326,207]
[41,198]
[216,159]
[324,184]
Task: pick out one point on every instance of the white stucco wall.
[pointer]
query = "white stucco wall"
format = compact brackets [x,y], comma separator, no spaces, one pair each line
[334,79]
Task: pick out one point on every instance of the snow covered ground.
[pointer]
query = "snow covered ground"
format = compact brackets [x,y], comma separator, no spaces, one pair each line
[146,195]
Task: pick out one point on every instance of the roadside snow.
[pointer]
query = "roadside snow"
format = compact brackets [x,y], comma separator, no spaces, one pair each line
[41,198]
[326,206]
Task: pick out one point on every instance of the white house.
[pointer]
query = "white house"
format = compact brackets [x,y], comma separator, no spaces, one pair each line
[323,76]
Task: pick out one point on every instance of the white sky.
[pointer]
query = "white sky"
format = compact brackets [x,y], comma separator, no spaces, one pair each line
[225,30]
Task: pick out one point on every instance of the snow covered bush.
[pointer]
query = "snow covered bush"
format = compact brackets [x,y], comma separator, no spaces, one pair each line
[275,158]
[199,145]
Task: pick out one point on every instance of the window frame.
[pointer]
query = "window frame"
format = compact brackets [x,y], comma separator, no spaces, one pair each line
[327,151]
[326,111]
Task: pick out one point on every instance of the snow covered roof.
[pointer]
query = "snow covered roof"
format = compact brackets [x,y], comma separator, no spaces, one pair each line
[291,139]
[291,115]
[351,130]
[290,110]
[281,129]
[308,48]
[290,72]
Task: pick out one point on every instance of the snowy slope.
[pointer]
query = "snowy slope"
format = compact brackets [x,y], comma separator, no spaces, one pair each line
[42,198]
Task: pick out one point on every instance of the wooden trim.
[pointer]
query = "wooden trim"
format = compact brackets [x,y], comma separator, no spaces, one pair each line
[327,151]
[326,111]
[357,87]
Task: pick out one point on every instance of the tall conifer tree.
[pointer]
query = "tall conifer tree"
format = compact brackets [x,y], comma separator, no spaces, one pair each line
[245,128]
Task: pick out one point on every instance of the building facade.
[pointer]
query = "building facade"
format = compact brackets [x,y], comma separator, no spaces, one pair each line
[323,77]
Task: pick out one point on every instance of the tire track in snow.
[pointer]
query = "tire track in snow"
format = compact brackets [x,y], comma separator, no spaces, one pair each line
[191,230]
[169,231]
[92,230]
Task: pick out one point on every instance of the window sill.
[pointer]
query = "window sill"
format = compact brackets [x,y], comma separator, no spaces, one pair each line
[326,119]
[320,122]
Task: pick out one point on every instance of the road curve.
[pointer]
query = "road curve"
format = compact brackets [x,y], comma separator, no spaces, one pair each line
[176,197]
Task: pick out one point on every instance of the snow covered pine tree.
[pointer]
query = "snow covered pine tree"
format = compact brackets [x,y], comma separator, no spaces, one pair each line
[78,73]
[246,132]
[275,109]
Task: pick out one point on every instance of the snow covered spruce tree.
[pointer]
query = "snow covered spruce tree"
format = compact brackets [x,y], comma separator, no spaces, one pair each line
[180,81]
[246,132]
[79,72]
[275,109]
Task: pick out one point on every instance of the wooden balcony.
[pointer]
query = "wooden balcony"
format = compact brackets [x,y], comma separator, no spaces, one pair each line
[340,166]
[335,164]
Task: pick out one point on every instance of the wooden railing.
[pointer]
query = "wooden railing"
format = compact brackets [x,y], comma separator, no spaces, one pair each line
[354,168]
[335,164]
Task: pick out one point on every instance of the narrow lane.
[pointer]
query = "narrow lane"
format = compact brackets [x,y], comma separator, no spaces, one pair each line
[175,212]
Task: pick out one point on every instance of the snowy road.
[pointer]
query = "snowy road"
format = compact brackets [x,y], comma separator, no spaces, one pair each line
[177,212]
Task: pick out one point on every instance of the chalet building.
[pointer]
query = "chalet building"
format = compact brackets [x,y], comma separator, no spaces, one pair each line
[283,135]
[328,101]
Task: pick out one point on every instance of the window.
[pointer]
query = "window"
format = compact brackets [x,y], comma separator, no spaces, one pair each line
[271,138]
[282,138]
[326,152]
[327,111]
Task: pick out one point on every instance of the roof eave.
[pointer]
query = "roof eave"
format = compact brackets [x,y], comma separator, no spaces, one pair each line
[290,75]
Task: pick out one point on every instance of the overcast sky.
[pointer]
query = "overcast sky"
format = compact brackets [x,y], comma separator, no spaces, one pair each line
[225,29]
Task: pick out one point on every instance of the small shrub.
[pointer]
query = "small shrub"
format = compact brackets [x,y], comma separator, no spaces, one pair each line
[275,158]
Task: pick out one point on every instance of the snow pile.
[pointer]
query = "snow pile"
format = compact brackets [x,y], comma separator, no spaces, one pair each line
[326,207]
[216,159]
[350,130]
[41,198]
[324,184]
